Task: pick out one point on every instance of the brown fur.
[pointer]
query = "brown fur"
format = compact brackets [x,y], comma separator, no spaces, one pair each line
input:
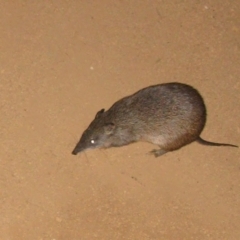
[170,115]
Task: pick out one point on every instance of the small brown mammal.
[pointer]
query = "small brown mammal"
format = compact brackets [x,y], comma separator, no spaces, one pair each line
[170,115]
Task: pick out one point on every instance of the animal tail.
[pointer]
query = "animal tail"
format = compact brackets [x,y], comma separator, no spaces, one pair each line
[204,142]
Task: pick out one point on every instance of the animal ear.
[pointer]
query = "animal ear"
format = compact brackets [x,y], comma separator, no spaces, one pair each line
[108,128]
[99,113]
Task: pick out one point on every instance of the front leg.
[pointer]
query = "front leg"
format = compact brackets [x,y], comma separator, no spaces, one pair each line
[158,152]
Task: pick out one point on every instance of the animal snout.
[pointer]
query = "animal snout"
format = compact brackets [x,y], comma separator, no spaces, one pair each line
[74,152]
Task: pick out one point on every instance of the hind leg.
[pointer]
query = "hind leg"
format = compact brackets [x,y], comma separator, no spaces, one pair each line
[158,152]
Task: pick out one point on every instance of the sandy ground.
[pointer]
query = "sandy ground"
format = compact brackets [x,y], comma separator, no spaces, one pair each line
[61,62]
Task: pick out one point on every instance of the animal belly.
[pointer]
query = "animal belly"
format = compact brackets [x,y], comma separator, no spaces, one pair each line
[157,140]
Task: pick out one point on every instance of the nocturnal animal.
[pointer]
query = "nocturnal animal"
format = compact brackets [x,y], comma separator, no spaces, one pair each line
[169,115]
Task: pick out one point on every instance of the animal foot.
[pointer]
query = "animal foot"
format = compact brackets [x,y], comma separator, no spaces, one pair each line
[158,152]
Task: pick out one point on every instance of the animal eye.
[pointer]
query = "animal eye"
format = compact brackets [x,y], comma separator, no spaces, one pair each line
[92,141]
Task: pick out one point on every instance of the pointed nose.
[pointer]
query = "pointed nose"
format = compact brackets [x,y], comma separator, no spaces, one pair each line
[74,152]
[78,148]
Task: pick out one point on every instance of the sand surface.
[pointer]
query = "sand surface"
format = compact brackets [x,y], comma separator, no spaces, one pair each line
[61,62]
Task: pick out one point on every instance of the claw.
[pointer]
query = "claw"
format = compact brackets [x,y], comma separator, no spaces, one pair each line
[158,152]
